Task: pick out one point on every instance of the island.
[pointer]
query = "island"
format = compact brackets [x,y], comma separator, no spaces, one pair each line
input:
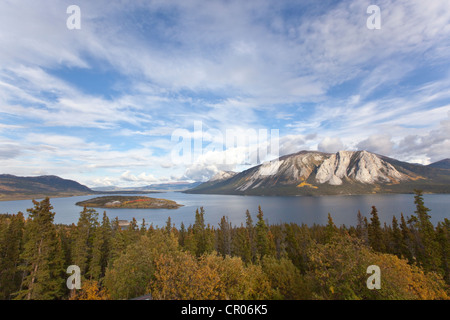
[129,202]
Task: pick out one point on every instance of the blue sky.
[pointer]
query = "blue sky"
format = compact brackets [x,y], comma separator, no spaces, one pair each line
[101,104]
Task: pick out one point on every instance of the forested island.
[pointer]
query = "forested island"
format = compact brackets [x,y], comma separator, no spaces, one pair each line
[129,202]
[255,260]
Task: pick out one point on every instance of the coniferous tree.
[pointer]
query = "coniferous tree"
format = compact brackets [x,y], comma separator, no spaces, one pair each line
[375,232]
[168,225]
[330,230]
[10,248]
[203,237]
[182,235]
[132,232]
[43,272]
[396,247]
[143,229]
[250,228]
[224,239]
[199,232]
[241,246]
[361,228]
[443,237]
[101,249]
[428,248]
[83,239]
[261,233]
[293,249]
[118,243]
[407,248]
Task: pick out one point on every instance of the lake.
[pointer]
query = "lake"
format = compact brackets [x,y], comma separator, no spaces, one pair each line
[301,209]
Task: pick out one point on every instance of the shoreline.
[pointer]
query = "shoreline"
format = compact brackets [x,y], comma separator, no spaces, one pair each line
[69,195]
[41,196]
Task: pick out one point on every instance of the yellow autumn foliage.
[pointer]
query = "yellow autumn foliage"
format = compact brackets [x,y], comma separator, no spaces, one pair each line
[91,290]
[181,276]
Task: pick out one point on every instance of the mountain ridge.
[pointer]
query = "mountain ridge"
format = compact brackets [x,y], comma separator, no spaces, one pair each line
[171,186]
[319,173]
[441,164]
[16,187]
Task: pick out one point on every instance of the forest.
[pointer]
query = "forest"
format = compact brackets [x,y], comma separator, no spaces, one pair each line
[253,261]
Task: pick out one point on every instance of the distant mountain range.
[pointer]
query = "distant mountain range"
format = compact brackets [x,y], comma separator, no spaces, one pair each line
[302,173]
[173,186]
[14,187]
[442,164]
[345,172]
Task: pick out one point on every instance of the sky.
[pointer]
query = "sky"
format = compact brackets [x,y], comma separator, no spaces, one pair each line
[159,91]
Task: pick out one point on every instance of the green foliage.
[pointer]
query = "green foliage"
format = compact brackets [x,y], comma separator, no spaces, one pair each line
[101,249]
[203,238]
[443,238]
[427,245]
[11,233]
[251,261]
[83,239]
[375,234]
[131,272]
[285,279]
[224,237]
[42,256]
[338,271]
[128,202]
[181,276]
[262,234]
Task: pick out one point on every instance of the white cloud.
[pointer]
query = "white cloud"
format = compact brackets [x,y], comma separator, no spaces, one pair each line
[331,145]
[435,145]
[381,144]
[141,178]
[258,66]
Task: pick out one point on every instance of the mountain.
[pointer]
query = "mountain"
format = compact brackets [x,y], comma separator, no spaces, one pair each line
[14,187]
[318,173]
[442,164]
[223,175]
[171,186]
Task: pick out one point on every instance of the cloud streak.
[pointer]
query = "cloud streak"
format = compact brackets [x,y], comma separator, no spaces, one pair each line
[310,69]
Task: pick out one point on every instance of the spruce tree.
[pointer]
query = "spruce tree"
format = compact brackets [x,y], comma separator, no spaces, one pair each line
[241,244]
[396,247]
[10,248]
[132,233]
[361,228]
[168,228]
[250,230]
[407,248]
[330,230]
[182,235]
[224,239]
[261,232]
[443,236]
[428,247]
[43,271]
[83,239]
[199,232]
[143,228]
[375,232]
[101,249]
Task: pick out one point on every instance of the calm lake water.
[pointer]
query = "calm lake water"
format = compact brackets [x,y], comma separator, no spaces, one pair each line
[308,210]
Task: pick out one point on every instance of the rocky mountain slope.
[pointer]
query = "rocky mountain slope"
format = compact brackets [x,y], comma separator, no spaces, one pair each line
[317,173]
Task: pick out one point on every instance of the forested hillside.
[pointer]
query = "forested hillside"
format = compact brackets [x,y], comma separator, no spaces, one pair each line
[200,261]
